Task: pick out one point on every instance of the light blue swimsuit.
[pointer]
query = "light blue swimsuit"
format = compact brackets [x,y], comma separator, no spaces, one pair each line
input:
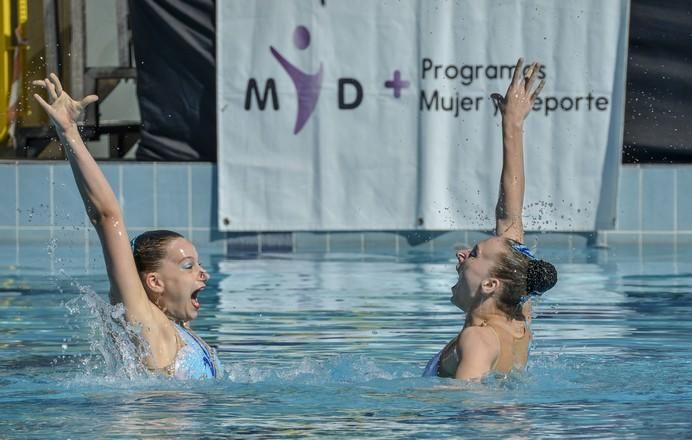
[195,359]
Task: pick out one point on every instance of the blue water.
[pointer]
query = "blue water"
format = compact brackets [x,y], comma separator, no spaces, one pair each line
[333,346]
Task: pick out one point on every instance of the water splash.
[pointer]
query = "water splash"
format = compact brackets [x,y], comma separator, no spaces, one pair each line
[52,246]
[116,347]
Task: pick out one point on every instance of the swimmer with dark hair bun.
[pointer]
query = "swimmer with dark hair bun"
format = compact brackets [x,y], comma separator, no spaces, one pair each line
[498,277]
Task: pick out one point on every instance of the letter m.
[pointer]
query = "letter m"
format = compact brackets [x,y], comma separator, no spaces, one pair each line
[261,101]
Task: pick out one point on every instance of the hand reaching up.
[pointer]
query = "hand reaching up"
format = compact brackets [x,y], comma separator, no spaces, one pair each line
[62,109]
[521,94]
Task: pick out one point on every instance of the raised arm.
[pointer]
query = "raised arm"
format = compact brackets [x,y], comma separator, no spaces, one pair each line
[101,204]
[514,107]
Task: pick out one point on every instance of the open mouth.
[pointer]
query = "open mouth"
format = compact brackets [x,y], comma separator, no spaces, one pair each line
[195,301]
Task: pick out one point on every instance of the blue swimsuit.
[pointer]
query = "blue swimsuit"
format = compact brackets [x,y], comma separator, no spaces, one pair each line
[195,359]
[433,365]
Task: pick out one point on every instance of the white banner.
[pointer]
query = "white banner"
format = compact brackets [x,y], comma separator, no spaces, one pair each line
[375,115]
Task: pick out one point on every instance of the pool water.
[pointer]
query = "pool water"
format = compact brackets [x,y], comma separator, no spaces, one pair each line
[320,345]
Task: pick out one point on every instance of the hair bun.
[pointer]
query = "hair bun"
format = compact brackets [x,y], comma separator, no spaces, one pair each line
[540,277]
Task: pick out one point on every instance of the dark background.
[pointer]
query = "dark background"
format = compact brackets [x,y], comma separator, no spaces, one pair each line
[658,113]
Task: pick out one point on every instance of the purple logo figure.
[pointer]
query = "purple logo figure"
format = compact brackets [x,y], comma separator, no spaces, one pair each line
[307,86]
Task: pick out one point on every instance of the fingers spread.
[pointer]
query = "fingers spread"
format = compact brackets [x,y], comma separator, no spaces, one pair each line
[56,82]
[532,75]
[51,90]
[517,71]
[43,103]
[534,95]
[88,100]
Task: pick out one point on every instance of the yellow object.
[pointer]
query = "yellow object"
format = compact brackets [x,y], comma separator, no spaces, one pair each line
[5,66]
[12,12]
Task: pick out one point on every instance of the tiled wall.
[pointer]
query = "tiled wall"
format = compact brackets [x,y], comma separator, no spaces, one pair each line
[654,205]
[40,202]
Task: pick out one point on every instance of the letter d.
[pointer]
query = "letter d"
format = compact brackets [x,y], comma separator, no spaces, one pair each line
[343,105]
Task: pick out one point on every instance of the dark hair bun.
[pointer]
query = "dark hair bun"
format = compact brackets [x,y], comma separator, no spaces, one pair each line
[540,277]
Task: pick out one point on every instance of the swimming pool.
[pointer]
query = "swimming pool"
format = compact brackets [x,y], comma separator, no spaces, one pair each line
[320,345]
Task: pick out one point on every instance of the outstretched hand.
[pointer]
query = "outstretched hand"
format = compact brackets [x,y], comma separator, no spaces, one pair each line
[62,109]
[521,94]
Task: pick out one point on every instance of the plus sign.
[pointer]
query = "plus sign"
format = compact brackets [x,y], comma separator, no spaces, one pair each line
[397,84]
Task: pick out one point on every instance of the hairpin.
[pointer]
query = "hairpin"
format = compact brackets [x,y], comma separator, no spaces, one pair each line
[521,248]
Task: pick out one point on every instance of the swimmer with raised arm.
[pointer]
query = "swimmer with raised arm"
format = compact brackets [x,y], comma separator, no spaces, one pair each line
[157,276]
[499,275]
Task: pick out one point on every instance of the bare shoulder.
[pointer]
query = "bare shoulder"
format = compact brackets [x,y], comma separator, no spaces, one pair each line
[479,348]
[479,339]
